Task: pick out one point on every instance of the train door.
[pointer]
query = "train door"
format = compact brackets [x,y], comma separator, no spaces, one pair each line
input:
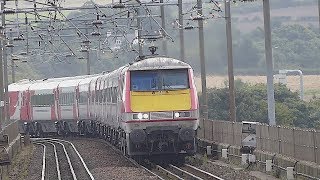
[54,108]
[76,102]
[14,104]
[57,103]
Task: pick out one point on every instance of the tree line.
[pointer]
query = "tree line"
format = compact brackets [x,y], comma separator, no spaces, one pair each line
[251,105]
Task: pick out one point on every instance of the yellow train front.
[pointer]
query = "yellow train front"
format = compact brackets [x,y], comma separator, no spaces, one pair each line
[160,108]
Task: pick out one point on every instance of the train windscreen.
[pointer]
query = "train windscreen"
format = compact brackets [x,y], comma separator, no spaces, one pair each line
[153,80]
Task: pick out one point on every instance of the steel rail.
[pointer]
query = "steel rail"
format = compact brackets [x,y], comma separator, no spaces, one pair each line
[199,172]
[74,148]
[57,160]
[41,141]
[46,140]
[69,161]
[167,173]
[140,166]
[132,160]
[182,172]
[79,155]
[43,161]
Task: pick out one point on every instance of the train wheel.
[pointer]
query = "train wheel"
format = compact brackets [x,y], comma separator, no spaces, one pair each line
[59,131]
[39,132]
[100,131]
[81,128]
[66,129]
[87,130]
[124,147]
[104,132]
[109,134]
[32,129]
[117,139]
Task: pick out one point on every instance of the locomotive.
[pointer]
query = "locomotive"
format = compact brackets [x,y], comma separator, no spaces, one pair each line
[145,108]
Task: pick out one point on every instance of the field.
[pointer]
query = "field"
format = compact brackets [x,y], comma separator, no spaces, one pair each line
[311,83]
[295,13]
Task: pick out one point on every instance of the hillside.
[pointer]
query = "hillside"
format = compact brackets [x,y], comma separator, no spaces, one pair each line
[303,15]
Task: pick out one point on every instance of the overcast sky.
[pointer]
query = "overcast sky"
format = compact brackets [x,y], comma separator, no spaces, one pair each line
[65,3]
[75,3]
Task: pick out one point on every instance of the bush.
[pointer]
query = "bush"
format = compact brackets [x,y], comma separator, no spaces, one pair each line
[251,105]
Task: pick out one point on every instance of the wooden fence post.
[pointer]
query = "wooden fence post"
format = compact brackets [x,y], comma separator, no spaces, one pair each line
[233,133]
[279,139]
[314,146]
[294,143]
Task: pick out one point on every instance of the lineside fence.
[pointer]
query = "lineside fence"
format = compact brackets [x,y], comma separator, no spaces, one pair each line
[301,144]
[10,144]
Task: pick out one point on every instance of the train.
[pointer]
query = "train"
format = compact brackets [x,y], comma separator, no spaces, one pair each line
[148,107]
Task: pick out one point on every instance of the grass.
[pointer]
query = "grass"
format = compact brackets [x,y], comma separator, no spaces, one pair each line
[19,167]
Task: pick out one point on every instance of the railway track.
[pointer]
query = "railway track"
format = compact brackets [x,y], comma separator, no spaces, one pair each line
[186,171]
[61,159]
[170,171]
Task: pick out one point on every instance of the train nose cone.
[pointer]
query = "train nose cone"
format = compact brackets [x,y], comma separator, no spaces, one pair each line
[186,134]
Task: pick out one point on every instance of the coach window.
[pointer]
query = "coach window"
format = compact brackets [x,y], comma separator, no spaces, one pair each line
[97,96]
[33,100]
[70,98]
[23,100]
[42,100]
[67,99]
[104,95]
[49,99]
[61,99]
[100,96]
[108,94]
[82,98]
[113,94]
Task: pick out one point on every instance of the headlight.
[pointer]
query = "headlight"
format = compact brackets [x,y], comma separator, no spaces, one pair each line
[140,116]
[145,116]
[182,114]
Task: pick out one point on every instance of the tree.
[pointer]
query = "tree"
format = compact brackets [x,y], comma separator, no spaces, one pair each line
[251,105]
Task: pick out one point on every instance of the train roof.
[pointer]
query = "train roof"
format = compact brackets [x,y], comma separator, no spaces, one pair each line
[69,83]
[67,78]
[86,80]
[21,85]
[44,85]
[51,83]
[158,63]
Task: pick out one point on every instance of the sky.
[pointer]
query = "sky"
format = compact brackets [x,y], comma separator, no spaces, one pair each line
[64,3]
[75,3]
